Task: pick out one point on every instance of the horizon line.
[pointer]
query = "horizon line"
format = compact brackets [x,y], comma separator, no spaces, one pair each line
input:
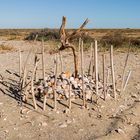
[70,28]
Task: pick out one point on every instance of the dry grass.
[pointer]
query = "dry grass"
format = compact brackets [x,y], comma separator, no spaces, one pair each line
[120,38]
[6,48]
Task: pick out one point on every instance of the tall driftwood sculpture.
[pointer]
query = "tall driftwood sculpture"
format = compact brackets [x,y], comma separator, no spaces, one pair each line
[65,41]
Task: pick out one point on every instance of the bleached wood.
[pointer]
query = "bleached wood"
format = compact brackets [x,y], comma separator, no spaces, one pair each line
[32,85]
[69,96]
[44,102]
[20,73]
[79,54]
[104,79]
[61,61]
[96,67]
[125,65]
[82,72]
[43,63]
[112,71]
[65,41]
[20,64]
[90,69]
[35,59]
[126,82]
[56,72]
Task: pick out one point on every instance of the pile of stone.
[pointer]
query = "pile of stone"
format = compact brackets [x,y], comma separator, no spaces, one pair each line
[66,83]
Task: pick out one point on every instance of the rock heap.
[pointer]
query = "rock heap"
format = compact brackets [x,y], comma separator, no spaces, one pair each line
[66,83]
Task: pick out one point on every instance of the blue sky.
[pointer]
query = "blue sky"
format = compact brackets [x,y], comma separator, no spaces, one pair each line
[48,13]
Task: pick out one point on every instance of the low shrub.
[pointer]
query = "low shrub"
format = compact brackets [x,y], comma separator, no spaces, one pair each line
[53,34]
[47,34]
[116,39]
[4,47]
[135,42]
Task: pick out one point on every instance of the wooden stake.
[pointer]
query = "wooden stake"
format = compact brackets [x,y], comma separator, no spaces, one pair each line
[25,69]
[82,72]
[44,102]
[20,64]
[26,93]
[56,70]
[125,65]
[24,78]
[43,75]
[35,59]
[96,67]
[90,69]
[127,80]
[61,62]
[32,85]
[79,53]
[43,64]
[107,78]
[27,58]
[104,80]
[112,70]
[20,84]
[69,96]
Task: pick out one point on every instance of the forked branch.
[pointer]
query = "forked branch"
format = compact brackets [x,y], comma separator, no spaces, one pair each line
[65,41]
[78,30]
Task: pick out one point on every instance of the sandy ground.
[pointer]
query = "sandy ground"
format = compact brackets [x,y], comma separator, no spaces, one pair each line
[108,120]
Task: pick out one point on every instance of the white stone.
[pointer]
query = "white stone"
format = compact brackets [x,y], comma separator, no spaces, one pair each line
[88,94]
[62,125]
[1,103]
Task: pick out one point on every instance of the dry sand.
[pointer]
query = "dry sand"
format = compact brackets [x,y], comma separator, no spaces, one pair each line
[108,120]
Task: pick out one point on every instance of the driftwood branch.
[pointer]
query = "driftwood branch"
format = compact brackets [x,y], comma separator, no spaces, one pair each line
[78,30]
[65,41]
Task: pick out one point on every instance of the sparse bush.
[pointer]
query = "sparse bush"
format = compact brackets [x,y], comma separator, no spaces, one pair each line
[47,34]
[116,39]
[135,42]
[53,34]
[6,48]
[84,36]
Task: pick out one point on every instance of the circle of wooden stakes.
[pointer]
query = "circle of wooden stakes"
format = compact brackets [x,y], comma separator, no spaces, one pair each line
[66,86]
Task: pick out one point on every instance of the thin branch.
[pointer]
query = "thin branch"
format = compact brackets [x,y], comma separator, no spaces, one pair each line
[62,29]
[79,29]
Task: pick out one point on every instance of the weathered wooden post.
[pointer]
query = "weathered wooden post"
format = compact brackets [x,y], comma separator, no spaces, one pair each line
[90,69]
[112,70]
[32,85]
[70,96]
[104,79]
[55,80]
[43,63]
[82,72]
[96,68]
